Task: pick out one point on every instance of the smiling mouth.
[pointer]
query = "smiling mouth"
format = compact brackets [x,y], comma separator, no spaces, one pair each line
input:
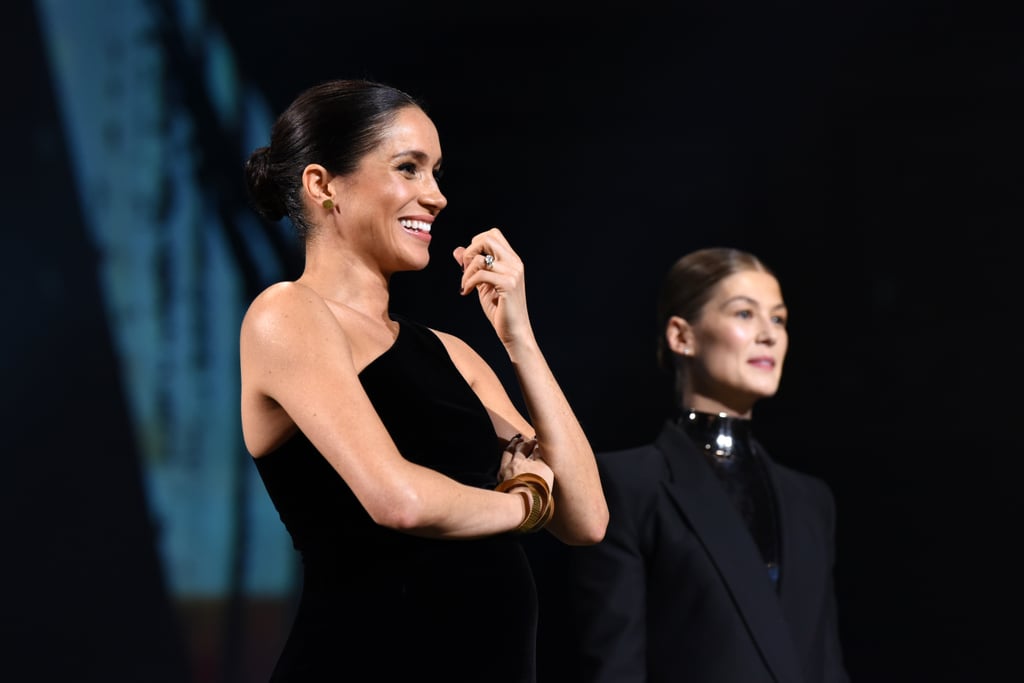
[415,226]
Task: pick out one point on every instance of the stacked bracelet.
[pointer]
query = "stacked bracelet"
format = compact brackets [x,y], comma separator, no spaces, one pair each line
[540,506]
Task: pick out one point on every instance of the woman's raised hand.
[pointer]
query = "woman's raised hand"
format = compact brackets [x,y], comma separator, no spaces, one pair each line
[492,267]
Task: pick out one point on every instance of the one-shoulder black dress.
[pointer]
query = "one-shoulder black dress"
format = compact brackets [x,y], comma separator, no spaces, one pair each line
[380,605]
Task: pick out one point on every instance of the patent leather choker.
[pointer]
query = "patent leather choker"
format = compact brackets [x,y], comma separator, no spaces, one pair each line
[721,435]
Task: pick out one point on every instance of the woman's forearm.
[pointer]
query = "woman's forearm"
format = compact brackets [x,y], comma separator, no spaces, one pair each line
[581,515]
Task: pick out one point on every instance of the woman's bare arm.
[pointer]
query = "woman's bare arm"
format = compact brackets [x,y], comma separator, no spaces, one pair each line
[298,371]
[581,514]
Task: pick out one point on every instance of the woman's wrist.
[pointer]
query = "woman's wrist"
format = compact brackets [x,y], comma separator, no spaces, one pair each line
[539,505]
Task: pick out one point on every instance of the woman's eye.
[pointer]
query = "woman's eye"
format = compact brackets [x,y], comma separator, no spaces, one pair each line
[438,174]
[744,314]
[408,167]
[779,320]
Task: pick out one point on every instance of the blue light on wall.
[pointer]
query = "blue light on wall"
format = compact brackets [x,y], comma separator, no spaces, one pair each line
[172,283]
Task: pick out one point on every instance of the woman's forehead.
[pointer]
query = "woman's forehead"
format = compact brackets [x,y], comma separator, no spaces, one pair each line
[756,285]
[413,131]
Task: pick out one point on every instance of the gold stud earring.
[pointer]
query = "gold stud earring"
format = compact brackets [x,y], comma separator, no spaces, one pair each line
[328,204]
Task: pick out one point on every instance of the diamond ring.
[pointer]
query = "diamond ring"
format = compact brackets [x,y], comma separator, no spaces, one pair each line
[488,261]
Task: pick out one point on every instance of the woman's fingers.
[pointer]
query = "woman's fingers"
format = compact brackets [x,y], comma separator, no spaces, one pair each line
[459,254]
[523,455]
[488,251]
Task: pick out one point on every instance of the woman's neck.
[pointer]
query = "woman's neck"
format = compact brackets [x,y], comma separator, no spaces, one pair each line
[357,288]
[721,435]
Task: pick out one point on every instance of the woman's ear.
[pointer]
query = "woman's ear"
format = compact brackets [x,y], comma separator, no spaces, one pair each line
[316,181]
[679,336]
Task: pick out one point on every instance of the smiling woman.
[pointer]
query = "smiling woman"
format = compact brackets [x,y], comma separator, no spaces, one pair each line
[391,450]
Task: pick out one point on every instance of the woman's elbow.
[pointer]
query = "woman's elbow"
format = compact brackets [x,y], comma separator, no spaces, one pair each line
[589,531]
[595,531]
[401,511]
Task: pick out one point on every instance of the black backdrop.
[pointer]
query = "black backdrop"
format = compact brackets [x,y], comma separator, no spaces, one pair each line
[870,152]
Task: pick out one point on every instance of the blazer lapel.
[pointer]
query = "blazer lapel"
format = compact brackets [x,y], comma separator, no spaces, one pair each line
[701,499]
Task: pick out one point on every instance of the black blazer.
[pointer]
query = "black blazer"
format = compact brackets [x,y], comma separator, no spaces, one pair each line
[677,590]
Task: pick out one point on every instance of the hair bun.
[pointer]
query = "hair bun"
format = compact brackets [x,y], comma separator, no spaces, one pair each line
[263,193]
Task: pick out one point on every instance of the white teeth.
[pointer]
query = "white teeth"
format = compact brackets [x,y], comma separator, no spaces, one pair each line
[418,226]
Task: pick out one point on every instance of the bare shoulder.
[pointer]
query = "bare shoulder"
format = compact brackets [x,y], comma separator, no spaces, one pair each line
[286,313]
[279,300]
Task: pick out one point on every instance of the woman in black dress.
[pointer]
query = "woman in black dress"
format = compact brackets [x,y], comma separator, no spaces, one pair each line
[396,459]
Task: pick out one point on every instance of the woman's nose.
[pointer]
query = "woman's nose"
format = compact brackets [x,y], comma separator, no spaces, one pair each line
[434,197]
[767,334]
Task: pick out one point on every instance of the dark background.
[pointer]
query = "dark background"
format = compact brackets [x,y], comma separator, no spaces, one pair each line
[870,152]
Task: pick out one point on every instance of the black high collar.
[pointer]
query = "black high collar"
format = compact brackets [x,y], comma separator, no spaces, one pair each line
[722,436]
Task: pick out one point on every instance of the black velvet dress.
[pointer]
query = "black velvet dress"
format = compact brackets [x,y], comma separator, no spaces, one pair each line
[380,605]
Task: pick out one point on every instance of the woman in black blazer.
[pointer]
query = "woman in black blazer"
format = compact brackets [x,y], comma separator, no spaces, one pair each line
[717,564]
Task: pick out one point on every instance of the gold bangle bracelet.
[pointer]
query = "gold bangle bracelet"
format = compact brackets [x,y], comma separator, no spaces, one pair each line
[549,512]
[527,479]
[541,504]
[532,521]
